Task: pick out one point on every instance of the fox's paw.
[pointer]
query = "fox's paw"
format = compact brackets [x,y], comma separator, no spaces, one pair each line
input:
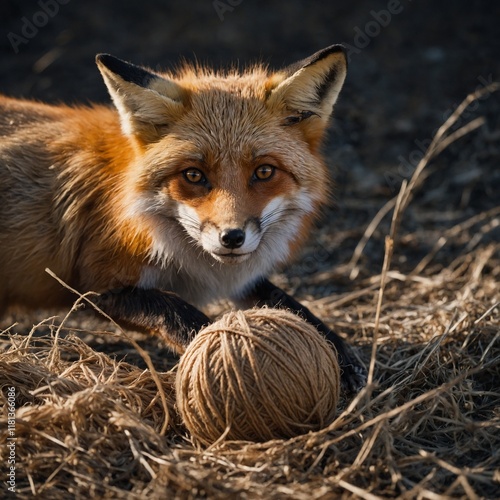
[353,376]
[183,325]
[159,312]
[353,372]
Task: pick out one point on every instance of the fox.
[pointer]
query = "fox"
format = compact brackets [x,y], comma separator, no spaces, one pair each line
[194,186]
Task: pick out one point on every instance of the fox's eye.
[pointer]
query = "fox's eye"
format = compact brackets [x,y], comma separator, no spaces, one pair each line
[264,172]
[194,176]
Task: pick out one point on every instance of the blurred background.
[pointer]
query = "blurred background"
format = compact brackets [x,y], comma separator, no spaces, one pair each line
[411,64]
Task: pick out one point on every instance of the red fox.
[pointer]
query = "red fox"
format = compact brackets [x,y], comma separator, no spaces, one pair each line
[195,186]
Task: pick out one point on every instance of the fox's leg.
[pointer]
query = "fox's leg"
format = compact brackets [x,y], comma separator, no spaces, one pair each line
[155,311]
[354,373]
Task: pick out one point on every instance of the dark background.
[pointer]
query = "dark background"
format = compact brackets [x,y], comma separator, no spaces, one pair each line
[406,75]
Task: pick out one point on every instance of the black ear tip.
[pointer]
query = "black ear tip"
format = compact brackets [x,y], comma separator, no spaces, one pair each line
[318,56]
[332,49]
[340,48]
[125,70]
[104,58]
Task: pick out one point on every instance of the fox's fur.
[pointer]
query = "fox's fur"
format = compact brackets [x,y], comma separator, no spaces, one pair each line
[106,197]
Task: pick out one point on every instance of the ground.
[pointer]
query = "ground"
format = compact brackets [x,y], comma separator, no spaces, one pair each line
[429,425]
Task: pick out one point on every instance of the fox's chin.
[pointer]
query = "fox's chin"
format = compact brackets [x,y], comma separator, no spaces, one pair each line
[230,257]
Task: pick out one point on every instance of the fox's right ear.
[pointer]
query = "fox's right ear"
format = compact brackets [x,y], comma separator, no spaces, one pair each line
[308,90]
[147,103]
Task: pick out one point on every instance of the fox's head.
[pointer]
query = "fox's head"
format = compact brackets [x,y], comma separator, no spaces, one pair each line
[233,158]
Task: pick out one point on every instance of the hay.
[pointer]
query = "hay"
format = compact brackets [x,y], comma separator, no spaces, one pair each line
[257,375]
[89,425]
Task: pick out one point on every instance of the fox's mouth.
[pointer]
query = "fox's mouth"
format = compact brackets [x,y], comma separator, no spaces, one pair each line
[230,257]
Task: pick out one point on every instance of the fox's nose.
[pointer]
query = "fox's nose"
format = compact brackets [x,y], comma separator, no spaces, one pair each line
[232,238]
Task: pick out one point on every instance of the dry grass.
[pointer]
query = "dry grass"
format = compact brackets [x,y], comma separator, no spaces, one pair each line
[427,426]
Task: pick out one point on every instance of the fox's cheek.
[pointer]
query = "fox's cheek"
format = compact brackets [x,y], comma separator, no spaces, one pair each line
[188,217]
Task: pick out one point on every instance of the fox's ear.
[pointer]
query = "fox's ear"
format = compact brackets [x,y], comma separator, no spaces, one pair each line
[309,89]
[147,103]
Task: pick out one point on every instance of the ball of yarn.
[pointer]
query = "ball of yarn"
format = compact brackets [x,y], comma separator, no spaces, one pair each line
[257,375]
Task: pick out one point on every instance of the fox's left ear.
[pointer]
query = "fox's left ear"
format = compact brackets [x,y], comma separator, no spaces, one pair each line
[309,89]
[147,103]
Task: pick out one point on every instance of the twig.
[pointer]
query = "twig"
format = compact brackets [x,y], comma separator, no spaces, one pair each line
[358,251]
[389,249]
[359,492]
[140,350]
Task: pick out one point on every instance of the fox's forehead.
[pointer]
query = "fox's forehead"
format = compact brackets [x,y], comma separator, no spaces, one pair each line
[252,82]
[225,123]
[233,101]
[229,108]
